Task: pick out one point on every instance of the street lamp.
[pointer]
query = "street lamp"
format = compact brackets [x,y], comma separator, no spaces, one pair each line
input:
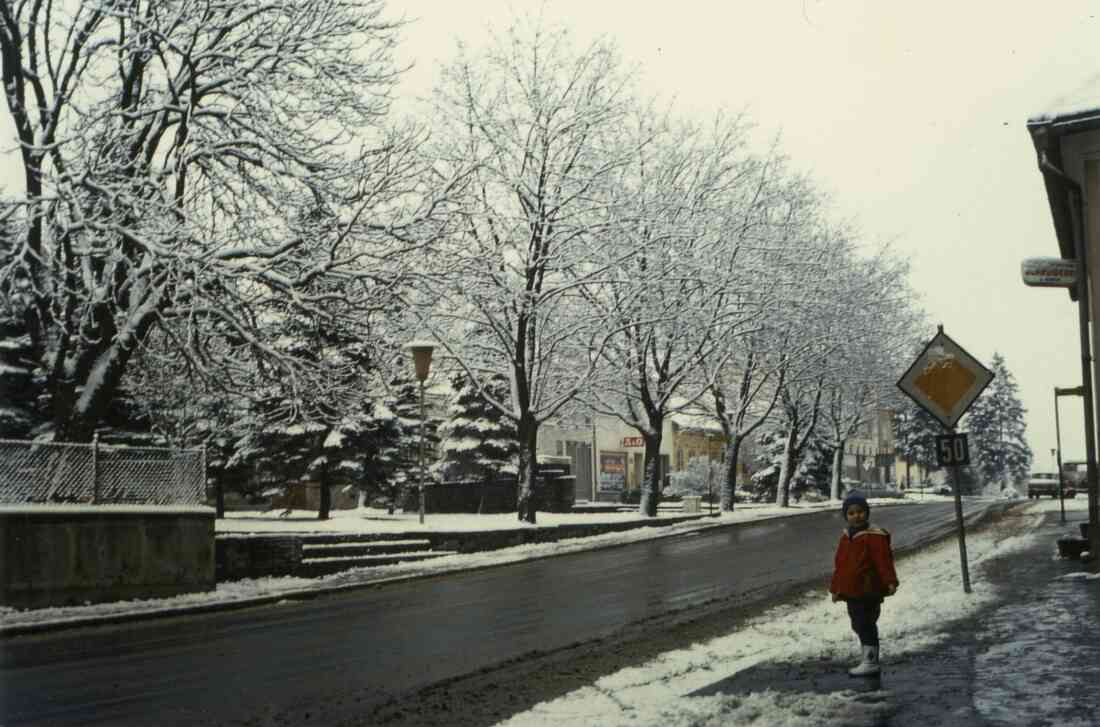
[422,360]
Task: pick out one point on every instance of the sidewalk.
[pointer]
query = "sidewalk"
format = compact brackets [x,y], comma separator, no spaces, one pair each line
[1022,649]
[1031,658]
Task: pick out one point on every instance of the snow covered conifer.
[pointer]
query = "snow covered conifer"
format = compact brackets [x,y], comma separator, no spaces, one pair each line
[478,441]
[915,432]
[367,450]
[998,431]
[815,470]
[764,481]
[404,403]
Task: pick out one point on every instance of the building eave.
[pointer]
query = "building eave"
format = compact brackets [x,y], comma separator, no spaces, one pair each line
[1047,132]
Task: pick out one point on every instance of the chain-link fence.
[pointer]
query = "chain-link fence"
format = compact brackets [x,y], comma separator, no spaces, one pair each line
[58,472]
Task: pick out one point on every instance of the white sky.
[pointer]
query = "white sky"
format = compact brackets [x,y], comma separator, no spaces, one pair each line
[813,629]
[911,114]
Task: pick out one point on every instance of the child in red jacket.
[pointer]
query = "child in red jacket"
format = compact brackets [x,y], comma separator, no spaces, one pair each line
[863,575]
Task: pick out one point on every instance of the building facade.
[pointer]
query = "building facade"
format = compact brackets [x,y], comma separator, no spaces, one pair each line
[608,456]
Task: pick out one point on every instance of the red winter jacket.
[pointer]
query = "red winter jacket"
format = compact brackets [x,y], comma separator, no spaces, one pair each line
[864,565]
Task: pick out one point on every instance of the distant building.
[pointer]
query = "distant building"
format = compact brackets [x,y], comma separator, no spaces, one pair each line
[869,456]
[615,452]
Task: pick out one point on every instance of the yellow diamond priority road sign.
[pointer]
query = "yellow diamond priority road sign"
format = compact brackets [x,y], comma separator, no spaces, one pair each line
[945,379]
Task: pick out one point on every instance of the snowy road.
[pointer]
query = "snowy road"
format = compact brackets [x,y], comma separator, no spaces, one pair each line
[338,657]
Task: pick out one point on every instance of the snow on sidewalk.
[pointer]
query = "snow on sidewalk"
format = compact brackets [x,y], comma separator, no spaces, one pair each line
[814,634]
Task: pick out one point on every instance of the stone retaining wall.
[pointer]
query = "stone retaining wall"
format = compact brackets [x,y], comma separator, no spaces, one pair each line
[256,556]
[59,555]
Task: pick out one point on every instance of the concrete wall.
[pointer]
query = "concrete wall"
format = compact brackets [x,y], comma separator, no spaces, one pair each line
[56,556]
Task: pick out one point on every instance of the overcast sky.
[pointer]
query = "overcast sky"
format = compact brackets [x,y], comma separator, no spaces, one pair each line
[912,115]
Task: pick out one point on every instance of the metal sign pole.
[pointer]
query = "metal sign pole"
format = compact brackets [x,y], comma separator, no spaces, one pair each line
[964,563]
[1058,442]
[952,450]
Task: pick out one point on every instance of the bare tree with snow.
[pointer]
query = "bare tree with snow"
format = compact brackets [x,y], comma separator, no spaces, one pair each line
[535,116]
[746,384]
[689,290]
[880,326]
[200,169]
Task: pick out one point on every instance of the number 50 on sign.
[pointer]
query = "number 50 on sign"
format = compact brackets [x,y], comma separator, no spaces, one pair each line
[952,449]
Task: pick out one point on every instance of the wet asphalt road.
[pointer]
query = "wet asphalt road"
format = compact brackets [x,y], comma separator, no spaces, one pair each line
[334,658]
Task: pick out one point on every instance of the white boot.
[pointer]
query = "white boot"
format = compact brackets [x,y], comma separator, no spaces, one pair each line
[869,666]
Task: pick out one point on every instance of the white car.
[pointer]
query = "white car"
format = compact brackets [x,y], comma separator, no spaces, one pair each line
[1041,484]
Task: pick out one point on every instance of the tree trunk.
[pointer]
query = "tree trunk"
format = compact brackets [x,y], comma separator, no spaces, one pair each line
[838,466]
[528,465]
[786,471]
[729,481]
[219,496]
[326,496]
[651,481]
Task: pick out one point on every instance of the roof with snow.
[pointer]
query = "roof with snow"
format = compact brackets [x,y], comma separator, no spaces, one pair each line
[1071,113]
[1079,106]
[696,422]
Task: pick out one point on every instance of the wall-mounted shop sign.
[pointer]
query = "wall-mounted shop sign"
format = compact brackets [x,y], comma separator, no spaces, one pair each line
[1049,272]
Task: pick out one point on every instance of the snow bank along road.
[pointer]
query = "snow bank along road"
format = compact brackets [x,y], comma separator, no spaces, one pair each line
[343,657]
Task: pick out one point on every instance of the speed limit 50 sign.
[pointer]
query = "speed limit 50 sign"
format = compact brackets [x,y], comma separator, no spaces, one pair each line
[952,449]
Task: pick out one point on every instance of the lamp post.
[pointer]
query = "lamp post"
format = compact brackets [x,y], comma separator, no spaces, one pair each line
[422,360]
[1069,391]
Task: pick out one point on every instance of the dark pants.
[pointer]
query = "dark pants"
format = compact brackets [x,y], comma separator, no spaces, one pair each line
[864,613]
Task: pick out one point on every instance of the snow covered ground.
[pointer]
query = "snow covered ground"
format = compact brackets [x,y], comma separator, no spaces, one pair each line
[377,521]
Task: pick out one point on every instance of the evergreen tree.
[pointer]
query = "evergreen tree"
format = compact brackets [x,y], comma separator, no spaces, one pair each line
[811,476]
[405,404]
[765,480]
[815,470]
[364,449]
[915,432]
[998,431]
[478,442]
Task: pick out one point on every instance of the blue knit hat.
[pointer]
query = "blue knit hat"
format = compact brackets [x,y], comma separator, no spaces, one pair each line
[854,498]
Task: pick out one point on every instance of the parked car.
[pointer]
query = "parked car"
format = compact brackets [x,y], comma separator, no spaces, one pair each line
[1045,484]
[869,490]
[930,488]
